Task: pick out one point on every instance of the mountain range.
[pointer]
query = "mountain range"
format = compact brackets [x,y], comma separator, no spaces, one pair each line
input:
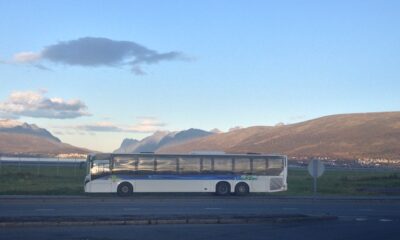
[12,126]
[29,139]
[160,139]
[343,136]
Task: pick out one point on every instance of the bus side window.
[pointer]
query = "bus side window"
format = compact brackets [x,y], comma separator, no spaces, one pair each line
[259,166]
[242,166]
[207,165]
[189,165]
[146,165]
[125,164]
[223,165]
[166,165]
[275,166]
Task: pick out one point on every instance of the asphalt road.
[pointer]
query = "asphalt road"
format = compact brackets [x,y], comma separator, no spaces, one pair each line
[167,205]
[357,218]
[363,230]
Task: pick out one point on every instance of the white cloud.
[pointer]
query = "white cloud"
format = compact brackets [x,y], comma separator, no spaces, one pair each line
[144,125]
[99,127]
[9,123]
[147,125]
[26,57]
[36,105]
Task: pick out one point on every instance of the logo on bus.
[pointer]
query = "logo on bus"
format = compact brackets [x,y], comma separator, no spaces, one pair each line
[248,177]
[114,178]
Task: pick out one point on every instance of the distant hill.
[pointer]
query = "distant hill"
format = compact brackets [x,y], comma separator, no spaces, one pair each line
[159,140]
[128,145]
[12,126]
[182,137]
[345,136]
[148,144]
[24,138]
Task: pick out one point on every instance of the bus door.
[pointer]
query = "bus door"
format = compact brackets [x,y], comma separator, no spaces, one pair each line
[100,175]
[259,179]
[206,168]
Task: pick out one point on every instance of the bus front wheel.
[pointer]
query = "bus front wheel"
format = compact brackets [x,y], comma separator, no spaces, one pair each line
[125,189]
[223,188]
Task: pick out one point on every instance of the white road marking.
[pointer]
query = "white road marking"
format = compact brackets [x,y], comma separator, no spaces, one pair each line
[131,209]
[212,208]
[44,209]
[360,219]
[385,220]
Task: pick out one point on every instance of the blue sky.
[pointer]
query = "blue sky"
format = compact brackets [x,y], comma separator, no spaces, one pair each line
[237,63]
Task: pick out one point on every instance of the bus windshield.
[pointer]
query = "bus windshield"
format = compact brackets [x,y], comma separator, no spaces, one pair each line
[100,165]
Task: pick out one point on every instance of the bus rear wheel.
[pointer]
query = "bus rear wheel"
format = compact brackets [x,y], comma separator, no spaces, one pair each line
[242,189]
[223,188]
[125,189]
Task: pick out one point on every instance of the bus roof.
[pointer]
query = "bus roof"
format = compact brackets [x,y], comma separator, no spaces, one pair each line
[103,156]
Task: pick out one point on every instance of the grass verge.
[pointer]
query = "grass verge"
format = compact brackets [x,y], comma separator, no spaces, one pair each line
[69,181]
[344,182]
[43,180]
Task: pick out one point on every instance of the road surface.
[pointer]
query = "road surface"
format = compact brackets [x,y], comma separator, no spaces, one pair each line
[204,204]
[357,218]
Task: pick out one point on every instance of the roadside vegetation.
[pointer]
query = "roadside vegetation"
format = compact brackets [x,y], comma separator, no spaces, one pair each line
[69,181]
[344,182]
[41,181]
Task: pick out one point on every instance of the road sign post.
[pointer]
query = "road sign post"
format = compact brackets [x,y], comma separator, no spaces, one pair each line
[315,168]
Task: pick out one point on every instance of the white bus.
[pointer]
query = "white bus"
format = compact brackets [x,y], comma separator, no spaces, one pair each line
[222,174]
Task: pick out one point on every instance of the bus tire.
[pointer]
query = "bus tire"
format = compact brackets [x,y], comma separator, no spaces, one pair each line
[125,189]
[223,188]
[242,189]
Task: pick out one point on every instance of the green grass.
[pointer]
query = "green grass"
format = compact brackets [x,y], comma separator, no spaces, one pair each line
[69,181]
[46,180]
[344,182]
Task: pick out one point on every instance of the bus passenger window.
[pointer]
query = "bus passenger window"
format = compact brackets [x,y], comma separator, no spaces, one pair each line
[125,164]
[145,165]
[207,165]
[242,166]
[275,166]
[259,166]
[166,165]
[223,165]
[189,165]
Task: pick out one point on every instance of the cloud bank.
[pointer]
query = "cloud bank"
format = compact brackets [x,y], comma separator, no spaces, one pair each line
[36,105]
[97,52]
[144,125]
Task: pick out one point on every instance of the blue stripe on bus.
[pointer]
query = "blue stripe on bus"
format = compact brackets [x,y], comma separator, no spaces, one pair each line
[178,177]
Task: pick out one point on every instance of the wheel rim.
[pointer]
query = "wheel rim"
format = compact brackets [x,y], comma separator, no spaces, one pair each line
[125,189]
[242,189]
[223,189]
